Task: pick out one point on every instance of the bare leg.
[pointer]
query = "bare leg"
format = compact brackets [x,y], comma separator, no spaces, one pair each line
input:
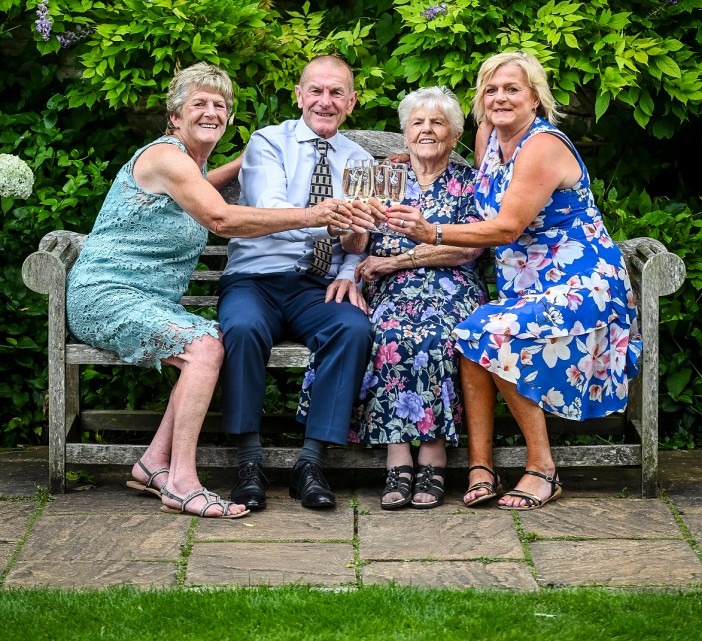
[398,454]
[431,453]
[158,454]
[479,396]
[199,368]
[532,423]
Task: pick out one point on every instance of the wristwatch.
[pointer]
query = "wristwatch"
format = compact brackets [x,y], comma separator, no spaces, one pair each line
[410,253]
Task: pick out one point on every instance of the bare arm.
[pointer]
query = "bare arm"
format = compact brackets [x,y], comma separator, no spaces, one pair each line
[481,141]
[164,169]
[374,267]
[543,165]
[222,176]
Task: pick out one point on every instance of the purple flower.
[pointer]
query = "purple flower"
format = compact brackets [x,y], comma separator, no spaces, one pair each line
[44,23]
[436,10]
[308,379]
[413,191]
[420,360]
[369,379]
[409,404]
[448,286]
[447,393]
[70,38]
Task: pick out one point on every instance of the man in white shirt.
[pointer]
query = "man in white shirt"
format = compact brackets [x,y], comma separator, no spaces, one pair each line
[295,285]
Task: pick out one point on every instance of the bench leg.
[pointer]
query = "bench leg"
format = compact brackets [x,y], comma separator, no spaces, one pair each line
[57,421]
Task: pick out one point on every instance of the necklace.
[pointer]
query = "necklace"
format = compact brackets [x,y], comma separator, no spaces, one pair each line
[433,177]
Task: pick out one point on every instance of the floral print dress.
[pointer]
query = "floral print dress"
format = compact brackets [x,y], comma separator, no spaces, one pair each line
[410,390]
[564,329]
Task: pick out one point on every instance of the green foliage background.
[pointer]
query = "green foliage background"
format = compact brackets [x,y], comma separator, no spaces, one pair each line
[627,72]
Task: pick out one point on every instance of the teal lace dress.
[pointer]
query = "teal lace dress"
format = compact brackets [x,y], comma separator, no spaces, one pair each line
[124,290]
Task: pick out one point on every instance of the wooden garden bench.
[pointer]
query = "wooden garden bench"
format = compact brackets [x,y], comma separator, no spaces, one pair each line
[654,272]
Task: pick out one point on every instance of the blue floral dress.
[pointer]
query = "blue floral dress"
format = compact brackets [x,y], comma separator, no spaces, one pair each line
[564,329]
[410,390]
[124,290]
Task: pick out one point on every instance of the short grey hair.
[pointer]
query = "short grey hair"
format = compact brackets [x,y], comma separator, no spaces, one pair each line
[439,98]
[536,79]
[200,76]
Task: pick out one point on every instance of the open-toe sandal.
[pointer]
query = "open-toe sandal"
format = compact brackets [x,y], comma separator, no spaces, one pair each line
[149,485]
[427,484]
[533,501]
[398,484]
[210,499]
[493,489]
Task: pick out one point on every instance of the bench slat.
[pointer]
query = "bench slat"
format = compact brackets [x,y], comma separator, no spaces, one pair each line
[354,457]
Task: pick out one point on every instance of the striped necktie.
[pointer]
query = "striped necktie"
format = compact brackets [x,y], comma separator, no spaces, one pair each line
[321,188]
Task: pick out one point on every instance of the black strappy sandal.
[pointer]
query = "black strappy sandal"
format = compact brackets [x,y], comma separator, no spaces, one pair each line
[427,484]
[533,501]
[494,489]
[400,484]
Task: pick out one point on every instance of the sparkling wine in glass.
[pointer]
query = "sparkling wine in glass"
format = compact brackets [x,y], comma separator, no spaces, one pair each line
[390,185]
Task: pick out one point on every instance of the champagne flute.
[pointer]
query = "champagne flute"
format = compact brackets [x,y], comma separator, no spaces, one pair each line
[392,189]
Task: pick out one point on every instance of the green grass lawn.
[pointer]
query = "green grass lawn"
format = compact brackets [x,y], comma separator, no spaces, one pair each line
[382,613]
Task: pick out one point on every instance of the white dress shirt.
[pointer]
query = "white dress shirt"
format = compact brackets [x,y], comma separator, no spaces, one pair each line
[276,172]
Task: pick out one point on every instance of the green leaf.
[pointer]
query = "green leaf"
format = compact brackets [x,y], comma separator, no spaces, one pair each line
[677,381]
[601,105]
[667,65]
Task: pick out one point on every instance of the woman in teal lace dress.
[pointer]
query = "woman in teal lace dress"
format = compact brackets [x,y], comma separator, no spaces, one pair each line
[124,290]
[563,335]
[416,294]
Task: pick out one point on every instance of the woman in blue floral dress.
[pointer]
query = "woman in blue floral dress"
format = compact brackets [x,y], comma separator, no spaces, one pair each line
[416,294]
[562,337]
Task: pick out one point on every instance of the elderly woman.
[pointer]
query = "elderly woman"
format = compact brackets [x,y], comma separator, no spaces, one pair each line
[563,335]
[416,294]
[124,289]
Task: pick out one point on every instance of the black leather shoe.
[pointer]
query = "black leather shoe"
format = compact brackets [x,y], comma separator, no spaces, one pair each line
[250,489]
[307,483]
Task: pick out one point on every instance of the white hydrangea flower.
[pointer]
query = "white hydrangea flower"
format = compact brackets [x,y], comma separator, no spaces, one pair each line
[16,178]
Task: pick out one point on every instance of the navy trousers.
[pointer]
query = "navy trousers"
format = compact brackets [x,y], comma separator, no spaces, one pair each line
[258,311]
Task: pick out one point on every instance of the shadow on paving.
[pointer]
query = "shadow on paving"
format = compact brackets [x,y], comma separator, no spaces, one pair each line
[100,533]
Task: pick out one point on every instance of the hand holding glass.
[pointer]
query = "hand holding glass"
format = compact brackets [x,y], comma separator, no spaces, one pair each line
[390,185]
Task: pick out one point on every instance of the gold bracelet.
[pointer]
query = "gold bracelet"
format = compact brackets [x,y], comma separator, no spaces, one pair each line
[410,253]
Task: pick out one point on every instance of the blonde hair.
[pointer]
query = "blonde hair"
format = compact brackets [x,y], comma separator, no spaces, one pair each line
[440,98]
[535,76]
[200,76]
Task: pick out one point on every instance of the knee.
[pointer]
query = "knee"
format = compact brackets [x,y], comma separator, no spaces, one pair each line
[356,328]
[207,351]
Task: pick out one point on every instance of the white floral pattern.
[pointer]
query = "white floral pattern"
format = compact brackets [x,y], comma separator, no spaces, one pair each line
[564,329]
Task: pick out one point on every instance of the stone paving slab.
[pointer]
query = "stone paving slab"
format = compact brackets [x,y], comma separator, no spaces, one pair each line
[284,520]
[14,516]
[427,534]
[602,518]
[249,564]
[119,537]
[450,574]
[6,552]
[91,574]
[616,563]
[104,500]
[20,475]
[690,509]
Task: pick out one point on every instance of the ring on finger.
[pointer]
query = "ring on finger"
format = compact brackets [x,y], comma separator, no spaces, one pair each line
[402,222]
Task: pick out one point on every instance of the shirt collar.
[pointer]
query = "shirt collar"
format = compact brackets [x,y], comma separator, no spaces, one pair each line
[304,134]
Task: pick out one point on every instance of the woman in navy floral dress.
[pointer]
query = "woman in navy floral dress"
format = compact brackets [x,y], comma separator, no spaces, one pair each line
[416,294]
[563,335]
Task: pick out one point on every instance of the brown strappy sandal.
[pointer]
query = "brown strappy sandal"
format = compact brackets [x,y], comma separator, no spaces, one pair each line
[494,489]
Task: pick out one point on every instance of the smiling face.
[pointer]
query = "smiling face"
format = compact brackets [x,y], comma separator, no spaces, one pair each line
[429,135]
[202,119]
[509,101]
[326,96]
